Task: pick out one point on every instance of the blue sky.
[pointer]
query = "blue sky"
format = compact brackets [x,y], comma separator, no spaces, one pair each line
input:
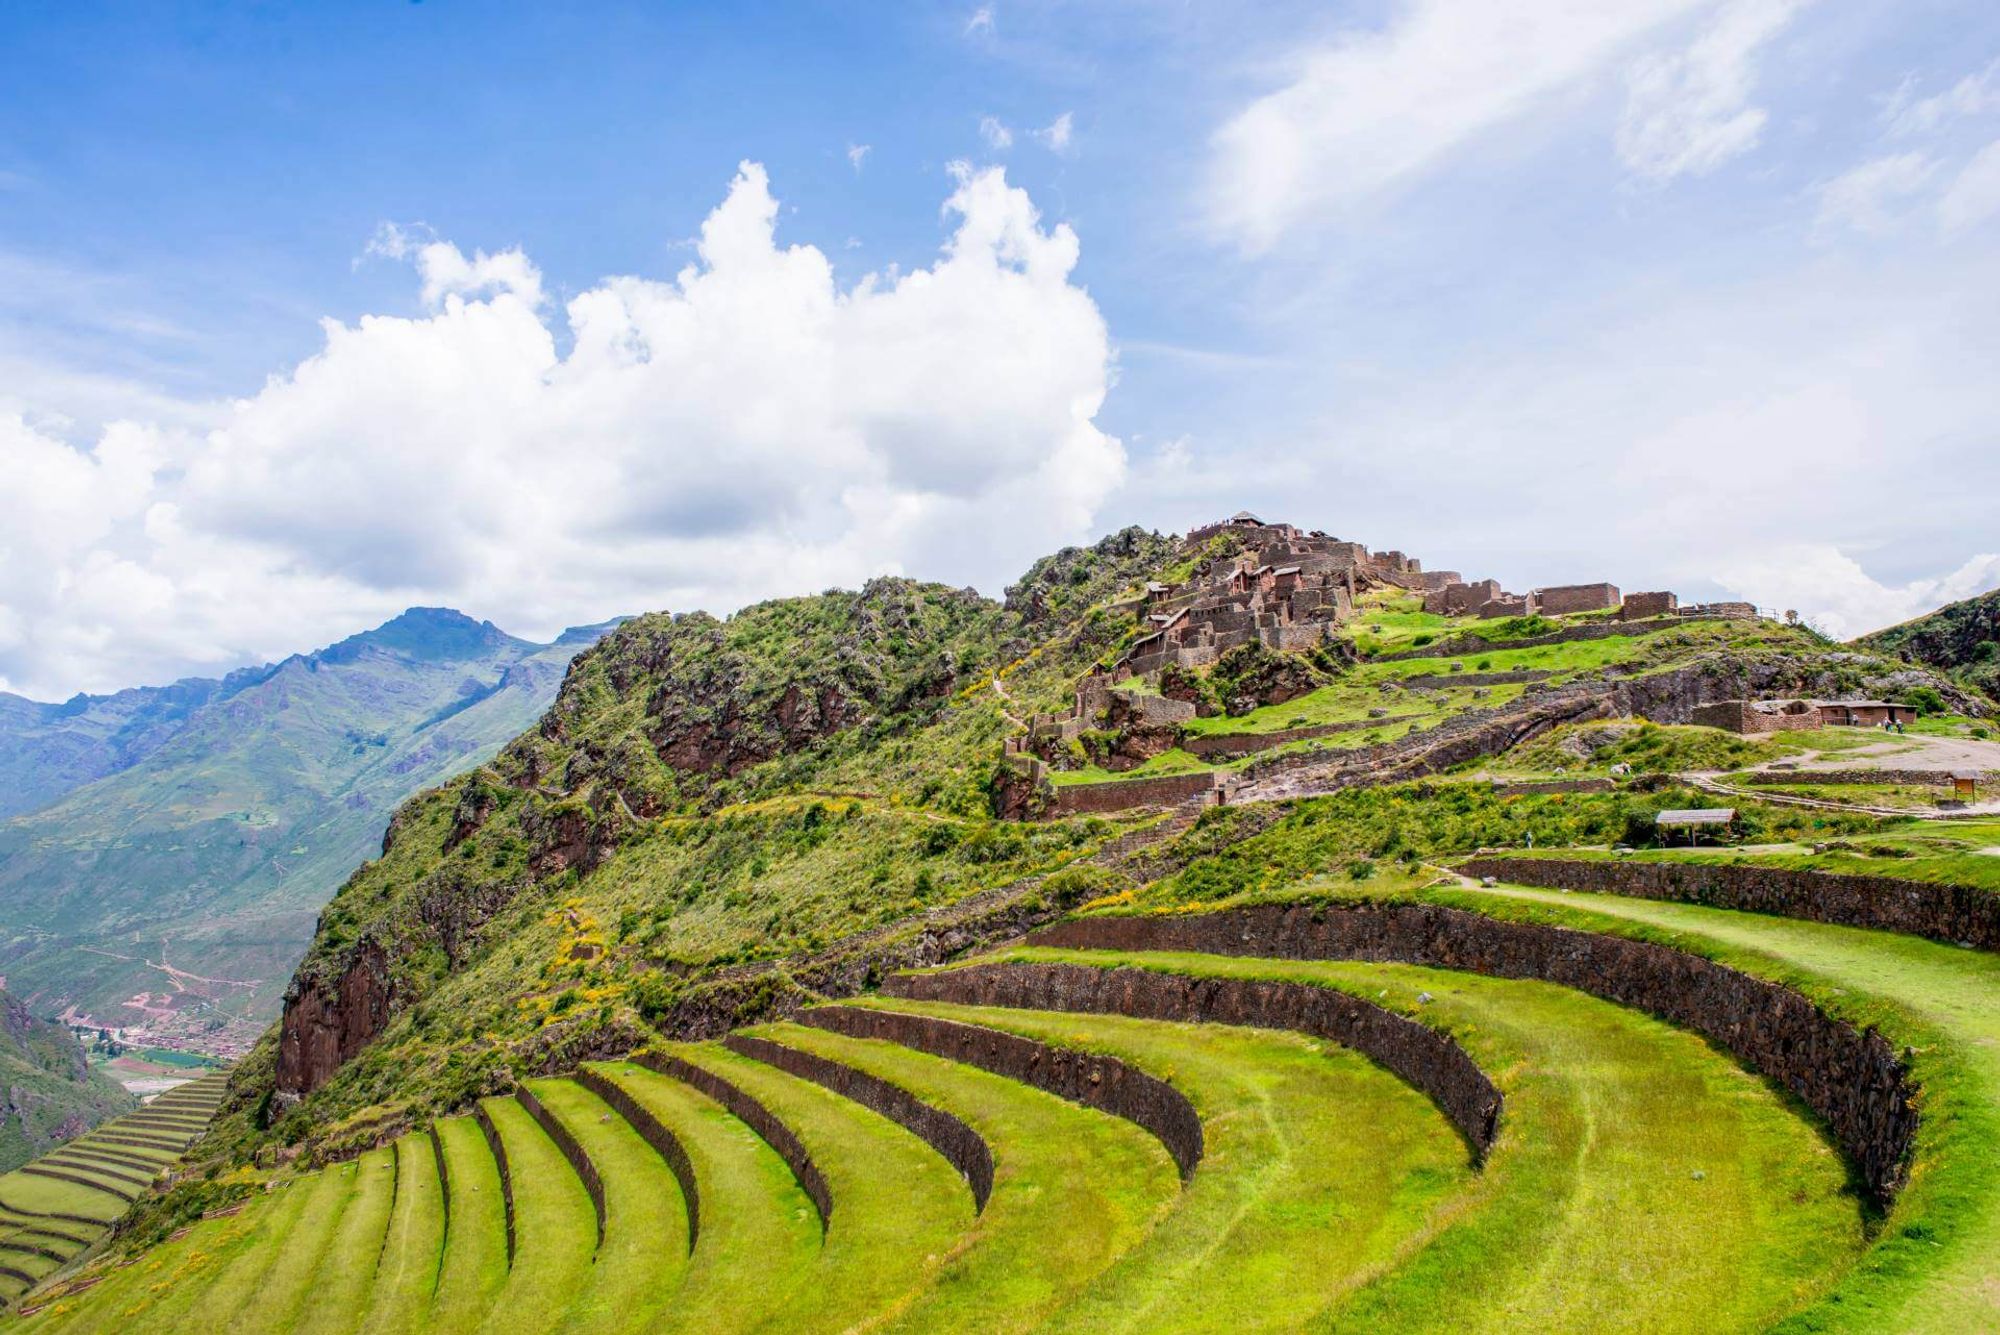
[294,301]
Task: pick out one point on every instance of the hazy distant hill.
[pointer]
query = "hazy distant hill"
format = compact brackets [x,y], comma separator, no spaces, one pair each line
[176,881]
[51,1092]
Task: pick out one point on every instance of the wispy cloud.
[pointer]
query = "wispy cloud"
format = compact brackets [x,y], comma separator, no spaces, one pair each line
[1687,112]
[980,22]
[997,136]
[1058,134]
[1973,95]
[1875,196]
[1973,197]
[1373,110]
[856,155]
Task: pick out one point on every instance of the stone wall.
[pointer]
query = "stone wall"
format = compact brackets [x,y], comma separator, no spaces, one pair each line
[1091,1079]
[1645,606]
[1956,914]
[1741,716]
[586,1171]
[1936,778]
[962,1147]
[498,1149]
[1076,799]
[1422,1057]
[1210,745]
[655,1133]
[753,1115]
[1850,1077]
[1566,599]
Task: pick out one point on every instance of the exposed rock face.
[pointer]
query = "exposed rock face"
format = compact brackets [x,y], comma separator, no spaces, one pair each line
[1134,729]
[1252,676]
[1851,1077]
[328,1021]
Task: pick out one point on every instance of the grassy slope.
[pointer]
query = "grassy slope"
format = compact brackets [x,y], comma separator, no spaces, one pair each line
[339,1291]
[555,1228]
[645,1248]
[1318,1167]
[754,1218]
[473,1267]
[1932,1270]
[1610,1116]
[407,1273]
[899,1208]
[1073,1189]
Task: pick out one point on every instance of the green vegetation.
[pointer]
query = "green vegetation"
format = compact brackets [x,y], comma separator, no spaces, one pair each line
[473,1267]
[555,1227]
[645,1246]
[754,1218]
[407,1274]
[1611,1117]
[1930,1268]
[1319,1168]
[52,1089]
[899,1208]
[1073,1189]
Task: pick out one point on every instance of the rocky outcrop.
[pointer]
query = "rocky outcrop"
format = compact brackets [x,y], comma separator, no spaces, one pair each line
[1091,1079]
[1852,1078]
[1954,914]
[328,1020]
[1422,1057]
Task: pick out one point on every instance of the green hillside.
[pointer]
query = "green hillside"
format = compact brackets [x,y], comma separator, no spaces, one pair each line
[175,894]
[1962,638]
[764,984]
[52,1092]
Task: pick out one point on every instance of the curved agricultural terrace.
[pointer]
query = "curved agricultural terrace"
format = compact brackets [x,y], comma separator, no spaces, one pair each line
[56,1209]
[1462,1107]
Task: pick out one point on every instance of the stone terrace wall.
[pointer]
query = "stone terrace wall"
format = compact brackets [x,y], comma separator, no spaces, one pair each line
[962,1147]
[593,1185]
[1421,1056]
[1954,914]
[753,1115]
[1562,599]
[498,1149]
[1850,1077]
[655,1133]
[1210,745]
[1089,1078]
[1078,799]
[1934,777]
[1460,645]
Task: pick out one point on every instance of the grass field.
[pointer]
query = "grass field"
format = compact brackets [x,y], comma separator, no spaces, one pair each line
[1610,1116]
[1318,1168]
[1073,1189]
[1932,1270]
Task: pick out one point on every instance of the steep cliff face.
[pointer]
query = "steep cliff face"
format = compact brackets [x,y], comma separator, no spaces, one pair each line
[329,1019]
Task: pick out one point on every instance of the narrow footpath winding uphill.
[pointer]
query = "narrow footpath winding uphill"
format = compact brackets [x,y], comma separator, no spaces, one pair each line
[1456,1108]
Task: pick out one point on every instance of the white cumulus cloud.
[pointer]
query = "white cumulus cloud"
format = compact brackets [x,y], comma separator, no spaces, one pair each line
[1843,598]
[746,428]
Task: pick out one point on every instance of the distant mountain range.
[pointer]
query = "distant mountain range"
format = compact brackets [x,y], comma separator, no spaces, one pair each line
[165,851]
